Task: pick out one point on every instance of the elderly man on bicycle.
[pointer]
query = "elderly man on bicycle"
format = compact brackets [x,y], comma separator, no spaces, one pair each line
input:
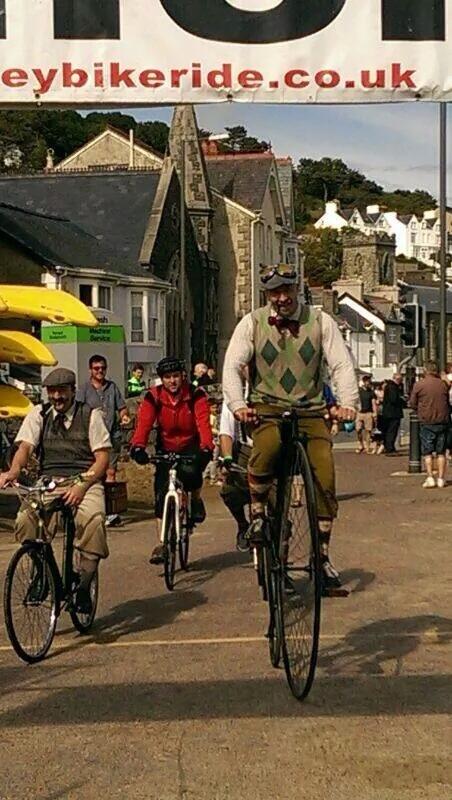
[285,344]
[181,415]
[69,439]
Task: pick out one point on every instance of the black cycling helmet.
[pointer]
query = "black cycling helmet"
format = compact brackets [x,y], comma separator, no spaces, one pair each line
[169,364]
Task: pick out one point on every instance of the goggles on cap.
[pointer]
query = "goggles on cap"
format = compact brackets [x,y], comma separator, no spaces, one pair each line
[283,271]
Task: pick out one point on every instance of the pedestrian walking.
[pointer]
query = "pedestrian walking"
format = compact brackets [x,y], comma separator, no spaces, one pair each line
[136,385]
[392,412]
[100,392]
[430,400]
[366,416]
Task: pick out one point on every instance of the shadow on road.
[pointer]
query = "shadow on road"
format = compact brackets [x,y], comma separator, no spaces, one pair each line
[354,496]
[235,699]
[368,649]
[357,580]
[147,614]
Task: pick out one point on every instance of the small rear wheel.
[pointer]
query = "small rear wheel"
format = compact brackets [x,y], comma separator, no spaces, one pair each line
[83,622]
[31,602]
[170,545]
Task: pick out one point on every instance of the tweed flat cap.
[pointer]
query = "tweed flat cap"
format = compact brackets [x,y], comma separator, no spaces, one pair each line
[60,377]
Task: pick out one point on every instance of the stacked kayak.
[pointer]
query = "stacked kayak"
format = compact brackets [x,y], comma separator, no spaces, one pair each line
[17,347]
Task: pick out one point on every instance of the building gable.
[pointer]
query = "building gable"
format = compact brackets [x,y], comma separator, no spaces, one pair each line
[111,149]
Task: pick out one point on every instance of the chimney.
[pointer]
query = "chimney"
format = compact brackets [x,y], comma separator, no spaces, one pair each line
[374,209]
[49,160]
[332,206]
[131,149]
[209,148]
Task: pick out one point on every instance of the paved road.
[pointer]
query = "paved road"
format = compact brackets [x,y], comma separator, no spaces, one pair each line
[173,697]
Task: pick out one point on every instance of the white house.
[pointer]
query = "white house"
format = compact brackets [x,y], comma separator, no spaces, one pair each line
[416,237]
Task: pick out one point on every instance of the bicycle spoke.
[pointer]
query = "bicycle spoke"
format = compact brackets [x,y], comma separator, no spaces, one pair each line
[300,579]
[30,604]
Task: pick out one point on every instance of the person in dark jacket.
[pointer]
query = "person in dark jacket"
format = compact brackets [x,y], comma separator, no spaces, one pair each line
[392,412]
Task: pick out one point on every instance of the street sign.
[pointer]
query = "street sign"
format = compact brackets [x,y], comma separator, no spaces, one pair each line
[82,52]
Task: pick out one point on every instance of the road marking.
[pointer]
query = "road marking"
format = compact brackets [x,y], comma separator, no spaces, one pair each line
[427,636]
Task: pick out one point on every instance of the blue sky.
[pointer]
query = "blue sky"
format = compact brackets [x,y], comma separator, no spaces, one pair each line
[395,144]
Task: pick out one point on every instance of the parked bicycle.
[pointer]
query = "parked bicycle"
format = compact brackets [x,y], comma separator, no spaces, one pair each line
[288,563]
[177,524]
[35,591]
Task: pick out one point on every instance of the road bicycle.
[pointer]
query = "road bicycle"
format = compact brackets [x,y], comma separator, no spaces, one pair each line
[35,591]
[288,562]
[177,523]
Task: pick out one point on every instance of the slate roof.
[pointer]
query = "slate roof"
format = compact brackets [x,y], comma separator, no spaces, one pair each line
[429,297]
[54,240]
[113,208]
[243,178]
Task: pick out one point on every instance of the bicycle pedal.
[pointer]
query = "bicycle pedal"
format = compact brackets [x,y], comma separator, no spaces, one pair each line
[336,592]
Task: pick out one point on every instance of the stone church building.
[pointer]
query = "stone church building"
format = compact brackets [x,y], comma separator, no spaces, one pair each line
[240,207]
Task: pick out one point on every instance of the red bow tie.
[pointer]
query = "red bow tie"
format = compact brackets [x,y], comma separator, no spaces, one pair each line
[291,325]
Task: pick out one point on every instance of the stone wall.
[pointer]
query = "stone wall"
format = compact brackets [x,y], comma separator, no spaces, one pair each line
[370,258]
[187,155]
[231,248]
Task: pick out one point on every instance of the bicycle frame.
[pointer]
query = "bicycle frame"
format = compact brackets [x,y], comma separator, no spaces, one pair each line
[65,575]
[173,493]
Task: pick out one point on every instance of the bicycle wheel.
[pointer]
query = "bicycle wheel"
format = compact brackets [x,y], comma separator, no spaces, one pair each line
[300,582]
[169,546]
[83,622]
[186,530]
[273,596]
[31,602]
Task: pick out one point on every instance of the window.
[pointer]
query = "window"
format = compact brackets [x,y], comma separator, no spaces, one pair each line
[85,293]
[153,316]
[137,328]
[105,297]
[413,238]
[291,255]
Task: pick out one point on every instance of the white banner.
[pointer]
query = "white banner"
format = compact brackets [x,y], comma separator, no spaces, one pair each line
[82,52]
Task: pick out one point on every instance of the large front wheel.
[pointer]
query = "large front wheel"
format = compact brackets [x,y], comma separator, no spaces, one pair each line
[31,601]
[301,575]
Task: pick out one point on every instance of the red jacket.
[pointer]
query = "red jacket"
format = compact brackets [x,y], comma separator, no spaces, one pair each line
[182,420]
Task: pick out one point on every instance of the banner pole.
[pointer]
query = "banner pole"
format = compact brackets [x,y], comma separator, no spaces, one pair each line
[443,228]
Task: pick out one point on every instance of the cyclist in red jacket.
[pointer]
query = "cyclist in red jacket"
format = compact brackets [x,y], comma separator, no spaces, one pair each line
[180,413]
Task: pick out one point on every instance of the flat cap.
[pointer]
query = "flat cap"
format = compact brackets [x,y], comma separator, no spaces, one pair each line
[60,377]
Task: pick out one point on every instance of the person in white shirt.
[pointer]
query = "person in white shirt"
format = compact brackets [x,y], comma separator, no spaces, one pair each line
[235,448]
[286,342]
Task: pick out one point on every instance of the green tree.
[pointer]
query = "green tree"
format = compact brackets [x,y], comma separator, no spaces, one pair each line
[240,141]
[154,134]
[323,256]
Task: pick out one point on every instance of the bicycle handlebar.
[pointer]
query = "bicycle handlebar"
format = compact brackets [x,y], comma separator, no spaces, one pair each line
[172,458]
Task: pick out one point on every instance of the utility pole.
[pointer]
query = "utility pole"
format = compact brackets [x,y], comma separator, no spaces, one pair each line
[442,349]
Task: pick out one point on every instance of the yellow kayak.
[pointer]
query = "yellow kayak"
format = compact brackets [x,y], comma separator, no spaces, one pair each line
[52,305]
[21,348]
[13,403]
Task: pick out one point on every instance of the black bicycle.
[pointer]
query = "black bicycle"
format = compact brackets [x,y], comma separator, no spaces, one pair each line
[35,591]
[177,523]
[288,563]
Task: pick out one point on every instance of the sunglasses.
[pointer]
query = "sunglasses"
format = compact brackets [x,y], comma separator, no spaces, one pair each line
[99,369]
[282,271]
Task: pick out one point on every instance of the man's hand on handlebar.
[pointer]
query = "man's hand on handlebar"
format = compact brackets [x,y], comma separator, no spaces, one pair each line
[245,414]
[75,494]
[139,455]
[342,414]
[7,477]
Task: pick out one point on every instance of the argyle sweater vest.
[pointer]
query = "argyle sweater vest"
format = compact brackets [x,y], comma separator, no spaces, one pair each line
[286,369]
